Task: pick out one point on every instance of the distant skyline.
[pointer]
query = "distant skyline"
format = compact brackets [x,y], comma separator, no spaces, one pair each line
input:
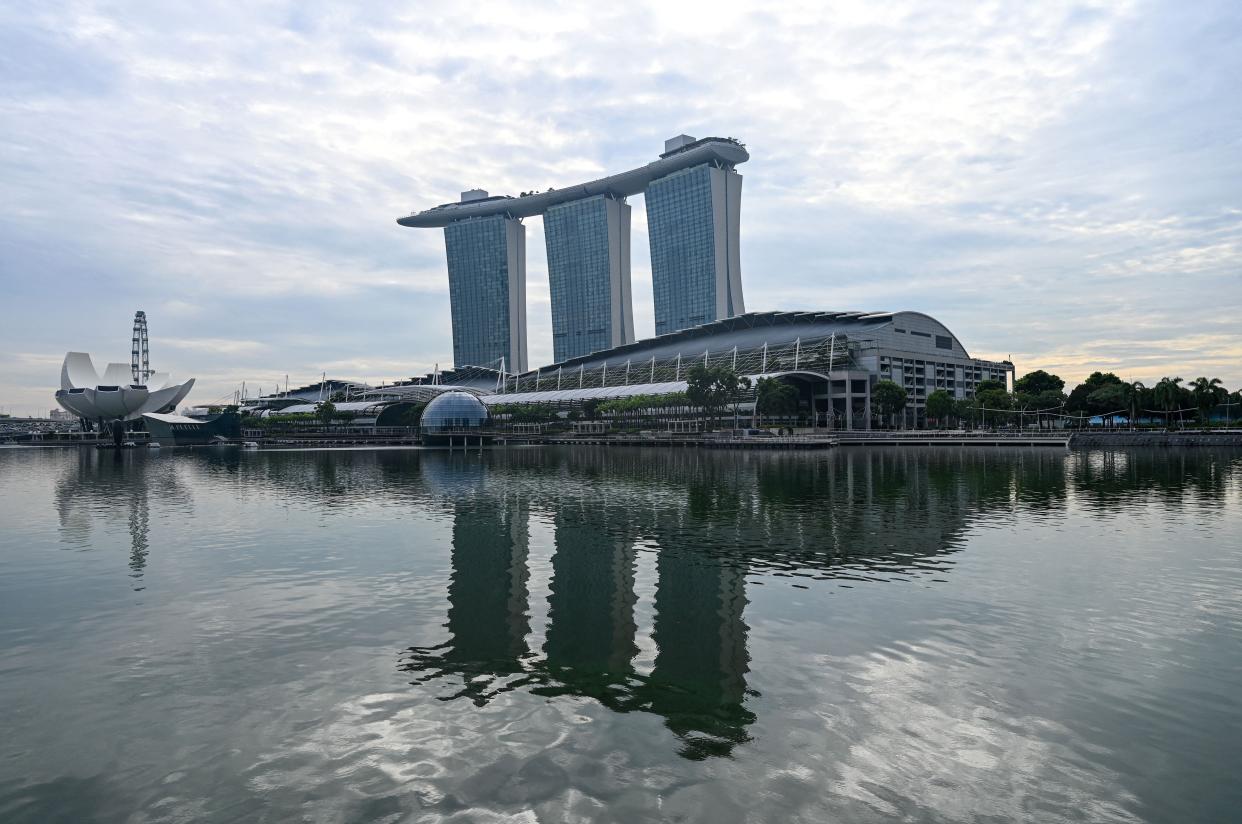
[1060,183]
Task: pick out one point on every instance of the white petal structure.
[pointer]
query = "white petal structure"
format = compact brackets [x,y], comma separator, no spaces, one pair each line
[78,371]
[117,374]
[114,395]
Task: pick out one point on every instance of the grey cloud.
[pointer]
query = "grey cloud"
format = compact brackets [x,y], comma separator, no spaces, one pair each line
[1049,180]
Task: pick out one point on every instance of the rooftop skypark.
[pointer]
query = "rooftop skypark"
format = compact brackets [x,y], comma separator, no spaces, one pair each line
[693,196]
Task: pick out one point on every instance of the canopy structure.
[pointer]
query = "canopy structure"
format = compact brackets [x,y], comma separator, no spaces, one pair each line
[572,396]
[569,396]
[360,407]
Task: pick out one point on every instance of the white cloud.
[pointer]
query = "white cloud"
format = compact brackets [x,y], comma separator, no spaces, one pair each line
[1030,174]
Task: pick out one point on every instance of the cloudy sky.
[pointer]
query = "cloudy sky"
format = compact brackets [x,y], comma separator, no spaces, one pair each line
[1058,182]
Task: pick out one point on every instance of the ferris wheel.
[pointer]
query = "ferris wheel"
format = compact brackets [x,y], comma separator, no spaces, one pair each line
[140,360]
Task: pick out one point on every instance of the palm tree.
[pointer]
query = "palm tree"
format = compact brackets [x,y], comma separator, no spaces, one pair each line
[1207,394]
[1167,395]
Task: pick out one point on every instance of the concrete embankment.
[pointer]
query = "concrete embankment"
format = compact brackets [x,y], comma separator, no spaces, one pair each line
[1189,438]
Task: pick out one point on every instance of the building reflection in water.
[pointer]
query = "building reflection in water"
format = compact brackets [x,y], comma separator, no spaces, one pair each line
[487,618]
[698,682]
[858,516]
[713,520]
[591,628]
[110,485]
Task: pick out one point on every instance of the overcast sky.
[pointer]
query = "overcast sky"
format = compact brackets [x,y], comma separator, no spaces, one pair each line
[1057,182]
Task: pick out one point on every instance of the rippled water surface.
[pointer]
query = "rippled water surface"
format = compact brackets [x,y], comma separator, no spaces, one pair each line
[620,635]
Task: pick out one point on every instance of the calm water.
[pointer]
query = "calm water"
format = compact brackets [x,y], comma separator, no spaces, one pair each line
[620,635]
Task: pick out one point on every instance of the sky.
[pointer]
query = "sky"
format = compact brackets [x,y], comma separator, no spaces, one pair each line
[1058,182]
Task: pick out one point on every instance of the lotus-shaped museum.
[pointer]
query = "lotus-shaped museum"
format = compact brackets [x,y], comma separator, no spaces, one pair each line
[118,394]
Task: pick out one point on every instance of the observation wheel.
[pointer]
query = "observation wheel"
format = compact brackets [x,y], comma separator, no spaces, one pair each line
[140,355]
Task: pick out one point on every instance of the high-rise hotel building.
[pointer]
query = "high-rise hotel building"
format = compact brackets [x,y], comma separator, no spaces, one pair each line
[588,244]
[487,290]
[692,225]
[693,198]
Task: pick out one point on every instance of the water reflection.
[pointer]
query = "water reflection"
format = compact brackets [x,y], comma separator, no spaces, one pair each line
[487,618]
[709,527]
[937,635]
[110,485]
[713,521]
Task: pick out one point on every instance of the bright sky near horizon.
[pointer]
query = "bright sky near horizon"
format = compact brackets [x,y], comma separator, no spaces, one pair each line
[1059,182]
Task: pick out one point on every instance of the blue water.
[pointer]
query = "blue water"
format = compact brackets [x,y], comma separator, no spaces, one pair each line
[595,634]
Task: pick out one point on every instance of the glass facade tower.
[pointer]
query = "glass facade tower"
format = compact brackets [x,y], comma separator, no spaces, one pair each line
[693,227]
[693,198]
[588,244]
[487,291]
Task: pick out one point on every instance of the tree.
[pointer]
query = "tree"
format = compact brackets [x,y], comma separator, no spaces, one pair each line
[1038,382]
[1077,401]
[1207,394]
[739,392]
[889,398]
[1046,401]
[712,387]
[1167,396]
[325,411]
[775,397]
[1109,399]
[991,399]
[989,385]
[940,406]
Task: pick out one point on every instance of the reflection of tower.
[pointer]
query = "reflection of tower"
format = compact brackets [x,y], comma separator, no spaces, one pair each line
[487,615]
[139,525]
[116,485]
[699,680]
[591,608]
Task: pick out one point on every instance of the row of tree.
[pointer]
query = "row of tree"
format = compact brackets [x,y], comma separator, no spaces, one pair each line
[1103,394]
[713,390]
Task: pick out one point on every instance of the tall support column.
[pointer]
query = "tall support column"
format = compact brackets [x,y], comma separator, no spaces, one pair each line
[693,220]
[867,405]
[849,402]
[487,291]
[588,243]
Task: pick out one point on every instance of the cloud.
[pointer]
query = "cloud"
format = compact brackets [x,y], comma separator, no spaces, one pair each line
[1036,176]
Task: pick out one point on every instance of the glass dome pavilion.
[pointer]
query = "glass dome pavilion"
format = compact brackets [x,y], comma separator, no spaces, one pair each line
[453,412]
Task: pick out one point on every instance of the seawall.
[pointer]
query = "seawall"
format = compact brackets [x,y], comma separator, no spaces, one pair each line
[1188,438]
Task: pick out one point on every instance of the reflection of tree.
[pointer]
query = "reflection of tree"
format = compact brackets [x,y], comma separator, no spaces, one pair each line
[1114,481]
[112,484]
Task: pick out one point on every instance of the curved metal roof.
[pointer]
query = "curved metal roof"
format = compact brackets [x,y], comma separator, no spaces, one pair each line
[724,151]
[750,329]
[626,391]
[418,392]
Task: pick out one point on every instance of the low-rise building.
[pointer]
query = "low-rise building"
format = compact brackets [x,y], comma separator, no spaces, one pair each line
[834,358]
